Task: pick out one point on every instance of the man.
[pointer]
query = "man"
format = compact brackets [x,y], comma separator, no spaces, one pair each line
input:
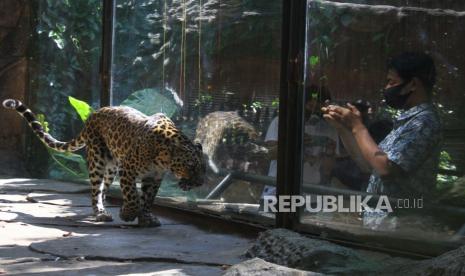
[404,164]
[346,170]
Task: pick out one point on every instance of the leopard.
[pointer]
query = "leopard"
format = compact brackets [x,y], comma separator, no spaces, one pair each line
[245,154]
[212,128]
[121,141]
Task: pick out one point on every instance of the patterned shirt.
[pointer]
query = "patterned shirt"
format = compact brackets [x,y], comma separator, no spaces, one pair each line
[414,145]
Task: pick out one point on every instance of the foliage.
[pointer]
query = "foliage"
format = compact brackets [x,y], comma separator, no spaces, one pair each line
[324,23]
[390,112]
[256,106]
[314,61]
[66,57]
[65,53]
[445,162]
[275,103]
[41,119]
[70,165]
[73,166]
[82,108]
[202,99]
[150,101]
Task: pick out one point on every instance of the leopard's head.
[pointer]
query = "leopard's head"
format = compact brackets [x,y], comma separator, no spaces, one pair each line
[188,164]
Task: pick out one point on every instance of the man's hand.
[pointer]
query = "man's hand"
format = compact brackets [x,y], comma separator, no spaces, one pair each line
[338,116]
[330,119]
[333,115]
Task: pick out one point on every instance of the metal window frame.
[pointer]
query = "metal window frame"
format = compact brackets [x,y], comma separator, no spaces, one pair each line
[290,106]
[106,59]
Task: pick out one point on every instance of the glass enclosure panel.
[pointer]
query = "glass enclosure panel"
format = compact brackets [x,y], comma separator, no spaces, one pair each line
[405,142]
[214,68]
[64,61]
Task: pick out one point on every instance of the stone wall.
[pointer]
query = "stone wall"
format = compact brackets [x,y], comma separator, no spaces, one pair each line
[15,30]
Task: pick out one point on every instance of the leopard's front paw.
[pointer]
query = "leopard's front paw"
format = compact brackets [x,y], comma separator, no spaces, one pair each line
[104,216]
[128,214]
[148,220]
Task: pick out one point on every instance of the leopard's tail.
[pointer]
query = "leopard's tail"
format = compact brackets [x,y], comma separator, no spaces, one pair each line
[73,145]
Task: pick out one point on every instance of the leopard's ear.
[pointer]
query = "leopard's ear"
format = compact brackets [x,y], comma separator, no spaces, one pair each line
[198,146]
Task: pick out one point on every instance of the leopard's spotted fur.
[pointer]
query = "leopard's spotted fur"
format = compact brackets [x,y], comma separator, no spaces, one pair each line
[125,141]
[212,128]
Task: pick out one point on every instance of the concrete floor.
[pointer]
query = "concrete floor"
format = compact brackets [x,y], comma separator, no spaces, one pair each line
[46,228]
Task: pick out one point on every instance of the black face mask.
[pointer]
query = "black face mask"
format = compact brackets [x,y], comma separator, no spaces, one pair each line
[393,98]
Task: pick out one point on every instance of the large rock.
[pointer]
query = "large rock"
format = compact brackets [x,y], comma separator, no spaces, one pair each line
[259,267]
[291,249]
[41,185]
[447,264]
[79,267]
[287,248]
[179,243]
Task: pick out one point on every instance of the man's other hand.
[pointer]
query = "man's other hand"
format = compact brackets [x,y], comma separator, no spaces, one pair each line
[338,116]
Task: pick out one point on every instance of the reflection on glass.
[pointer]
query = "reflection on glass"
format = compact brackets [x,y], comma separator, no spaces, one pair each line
[403,151]
[214,69]
[321,142]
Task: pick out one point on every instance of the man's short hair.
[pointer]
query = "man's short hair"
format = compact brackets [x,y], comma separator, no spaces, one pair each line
[318,93]
[418,65]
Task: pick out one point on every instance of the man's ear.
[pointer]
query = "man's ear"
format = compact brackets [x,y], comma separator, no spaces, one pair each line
[414,84]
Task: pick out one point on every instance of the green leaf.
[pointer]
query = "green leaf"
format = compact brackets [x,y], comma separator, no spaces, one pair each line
[314,60]
[68,165]
[203,98]
[314,95]
[82,108]
[275,103]
[256,104]
[41,119]
[71,164]
[150,101]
